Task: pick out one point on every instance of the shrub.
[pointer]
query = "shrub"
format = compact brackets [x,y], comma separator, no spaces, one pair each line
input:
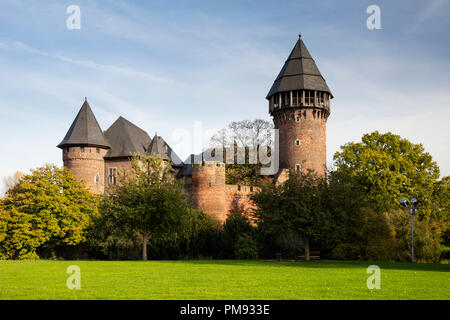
[246,248]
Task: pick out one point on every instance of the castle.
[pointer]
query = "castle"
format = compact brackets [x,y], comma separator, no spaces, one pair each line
[299,102]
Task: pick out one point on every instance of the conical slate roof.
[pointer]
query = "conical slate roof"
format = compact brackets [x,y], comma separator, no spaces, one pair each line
[299,72]
[126,139]
[159,146]
[156,147]
[84,130]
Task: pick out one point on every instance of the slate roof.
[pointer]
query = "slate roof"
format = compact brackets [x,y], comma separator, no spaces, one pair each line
[299,72]
[125,139]
[84,130]
[158,147]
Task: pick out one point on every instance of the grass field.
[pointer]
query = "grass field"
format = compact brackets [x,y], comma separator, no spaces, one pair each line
[222,280]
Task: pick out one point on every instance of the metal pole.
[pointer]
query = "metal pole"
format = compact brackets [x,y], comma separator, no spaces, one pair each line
[412,237]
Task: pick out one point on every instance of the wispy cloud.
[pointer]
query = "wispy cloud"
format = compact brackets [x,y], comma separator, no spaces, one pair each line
[126,72]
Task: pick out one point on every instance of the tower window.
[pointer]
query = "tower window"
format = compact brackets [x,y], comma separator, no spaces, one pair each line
[97,178]
[297,142]
[297,117]
[112,176]
[67,150]
[98,150]
[82,149]
[251,189]
[298,167]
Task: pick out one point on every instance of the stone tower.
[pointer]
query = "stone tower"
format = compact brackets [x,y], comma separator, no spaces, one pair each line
[299,102]
[208,188]
[84,147]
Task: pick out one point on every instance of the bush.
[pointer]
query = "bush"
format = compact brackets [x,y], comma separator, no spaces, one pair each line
[246,248]
[235,226]
[289,244]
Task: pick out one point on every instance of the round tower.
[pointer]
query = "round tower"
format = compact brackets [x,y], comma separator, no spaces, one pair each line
[208,188]
[299,102]
[84,147]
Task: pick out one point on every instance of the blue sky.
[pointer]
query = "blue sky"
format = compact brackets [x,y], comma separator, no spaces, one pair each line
[164,65]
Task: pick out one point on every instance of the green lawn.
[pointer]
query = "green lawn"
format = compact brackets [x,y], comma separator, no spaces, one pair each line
[212,279]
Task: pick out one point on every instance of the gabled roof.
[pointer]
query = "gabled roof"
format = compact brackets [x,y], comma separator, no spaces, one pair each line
[299,72]
[126,139]
[84,130]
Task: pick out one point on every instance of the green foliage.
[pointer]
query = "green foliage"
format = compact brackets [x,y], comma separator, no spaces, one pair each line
[48,208]
[236,226]
[246,248]
[148,201]
[297,208]
[389,168]
[148,209]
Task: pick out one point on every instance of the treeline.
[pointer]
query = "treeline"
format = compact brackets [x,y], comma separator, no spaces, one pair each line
[353,213]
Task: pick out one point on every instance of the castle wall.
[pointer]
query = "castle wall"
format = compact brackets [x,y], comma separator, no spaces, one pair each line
[208,189]
[309,127]
[237,199]
[122,165]
[86,166]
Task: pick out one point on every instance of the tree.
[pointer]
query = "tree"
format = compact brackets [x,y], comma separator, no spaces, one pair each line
[295,207]
[245,135]
[148,201]
[11,181]
[389,168]
[47,208]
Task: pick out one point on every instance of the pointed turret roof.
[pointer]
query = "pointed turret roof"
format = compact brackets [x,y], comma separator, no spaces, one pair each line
[84,130]
[126,139]
[299,72]
[156,147]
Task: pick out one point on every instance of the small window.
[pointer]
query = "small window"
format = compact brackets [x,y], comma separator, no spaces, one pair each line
[239,188]
[98,150]
[67,150]
[82,149]
[251,189]
[297,118]
[112,176]
[297,142]
[97,179]
[298,167]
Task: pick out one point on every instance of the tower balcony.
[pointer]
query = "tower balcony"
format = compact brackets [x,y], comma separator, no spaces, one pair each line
[299,98]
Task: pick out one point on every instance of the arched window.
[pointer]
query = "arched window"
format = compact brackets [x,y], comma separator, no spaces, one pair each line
[298,167]
[297,142]
[97,179]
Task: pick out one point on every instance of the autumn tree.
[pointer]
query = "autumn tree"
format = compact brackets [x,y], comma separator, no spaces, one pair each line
[388,168]
[10,181]
[47,208]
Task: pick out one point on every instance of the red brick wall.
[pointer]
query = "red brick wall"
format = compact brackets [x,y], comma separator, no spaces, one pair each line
[86,165]
[310,130]
[208,189]
[238,198]
[122,166]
